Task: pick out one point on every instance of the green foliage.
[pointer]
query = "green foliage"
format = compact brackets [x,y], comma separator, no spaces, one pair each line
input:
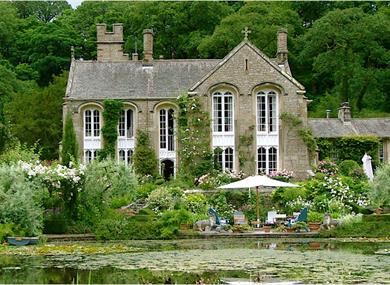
[164,198]
[359,226]
[170,222]
[70,149]
[19,201]
[194,136]
[197,203]
[315,216]
[144,159]
[349,148]
[19,152]
[304,132]
[348,167]
[55,223]
[36,116]
[380,187]
[6,230]
[105,182]
[111,115]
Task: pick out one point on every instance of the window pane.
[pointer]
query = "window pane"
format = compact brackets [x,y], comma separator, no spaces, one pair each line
[228,107]
[163,127]
[261,160]
[261,113]
[218,158]
[171,144]
[88,123]
[229,158]
[129,124]
[96,123]
[88,157]
[272,112]
[122,124]
[272,159]
[217,113]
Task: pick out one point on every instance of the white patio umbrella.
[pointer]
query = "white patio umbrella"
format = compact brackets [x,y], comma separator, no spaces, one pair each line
[262,183]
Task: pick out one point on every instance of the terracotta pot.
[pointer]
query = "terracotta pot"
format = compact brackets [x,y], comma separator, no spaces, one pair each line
[378,211]
[266,229]
[290,230]
[314,226]
[314,245]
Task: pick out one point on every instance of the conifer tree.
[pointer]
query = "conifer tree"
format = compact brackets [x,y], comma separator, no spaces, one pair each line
[69,142]
[145,161]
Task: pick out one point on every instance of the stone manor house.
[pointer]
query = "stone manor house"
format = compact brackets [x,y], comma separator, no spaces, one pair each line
[245,92]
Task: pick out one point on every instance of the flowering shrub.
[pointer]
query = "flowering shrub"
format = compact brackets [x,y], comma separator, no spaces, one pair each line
[164,198]
[297,204]
[283,175]
[216,179]
[197,203]
[327,167]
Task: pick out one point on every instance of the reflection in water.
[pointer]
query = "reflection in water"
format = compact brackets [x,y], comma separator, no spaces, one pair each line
[206,261]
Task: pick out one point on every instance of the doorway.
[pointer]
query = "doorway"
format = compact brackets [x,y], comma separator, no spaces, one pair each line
[167,169]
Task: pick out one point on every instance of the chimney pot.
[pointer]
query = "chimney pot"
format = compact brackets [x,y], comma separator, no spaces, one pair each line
[148,45]
[328,113]
[344,112]
[134,56]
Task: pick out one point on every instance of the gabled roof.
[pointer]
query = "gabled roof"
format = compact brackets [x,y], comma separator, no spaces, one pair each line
[256,50]
[89,80]
[334,128]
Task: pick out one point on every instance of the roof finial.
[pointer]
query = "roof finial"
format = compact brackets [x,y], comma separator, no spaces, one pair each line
[246,31]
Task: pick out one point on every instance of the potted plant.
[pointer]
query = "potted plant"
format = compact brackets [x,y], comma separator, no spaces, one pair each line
[314,221]
[300,226]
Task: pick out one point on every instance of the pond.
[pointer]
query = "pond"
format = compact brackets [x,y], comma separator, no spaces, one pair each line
[198,261]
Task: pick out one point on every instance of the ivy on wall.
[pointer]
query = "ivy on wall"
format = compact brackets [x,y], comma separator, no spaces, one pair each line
[304,132]
[111,115]
[352,147]
[245,150]
[195,155]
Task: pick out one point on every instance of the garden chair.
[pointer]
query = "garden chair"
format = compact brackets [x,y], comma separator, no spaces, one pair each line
[302,217]
[271,218]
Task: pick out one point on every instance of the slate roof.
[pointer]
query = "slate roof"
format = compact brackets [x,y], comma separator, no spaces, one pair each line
[130,79]
[333,128]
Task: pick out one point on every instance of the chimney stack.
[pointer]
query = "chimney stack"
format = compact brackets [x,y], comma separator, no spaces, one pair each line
[109,44]
[345,112]
[282,52]
[148,46]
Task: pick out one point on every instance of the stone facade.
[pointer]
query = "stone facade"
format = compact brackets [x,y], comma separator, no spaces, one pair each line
[147,86]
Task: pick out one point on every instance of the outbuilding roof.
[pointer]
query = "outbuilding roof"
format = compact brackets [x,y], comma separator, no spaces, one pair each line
[89,80]
[333,128]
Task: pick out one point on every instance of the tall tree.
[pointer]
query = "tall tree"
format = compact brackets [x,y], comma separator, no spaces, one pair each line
[45,11]
[70,149]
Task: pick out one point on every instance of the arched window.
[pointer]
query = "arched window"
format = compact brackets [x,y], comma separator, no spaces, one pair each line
[267,112]
[267,159]
[222,112]
[92,123]
[224,158]
[167,128]
[89,155]
[126,124]
[126,156]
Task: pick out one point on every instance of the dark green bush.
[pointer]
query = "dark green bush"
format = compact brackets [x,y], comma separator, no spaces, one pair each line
[347,167]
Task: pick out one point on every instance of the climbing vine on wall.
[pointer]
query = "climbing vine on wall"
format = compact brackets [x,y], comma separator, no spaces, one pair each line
[195,153]
[304,132]
[245,149]
[352,147]
[111,115]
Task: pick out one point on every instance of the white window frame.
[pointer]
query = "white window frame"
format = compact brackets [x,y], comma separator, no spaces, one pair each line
[223,95]
[164,130]
[87,159]
[127,159]
[268,162]
[224,155]
[125,131]
[95,126]
[267,95]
